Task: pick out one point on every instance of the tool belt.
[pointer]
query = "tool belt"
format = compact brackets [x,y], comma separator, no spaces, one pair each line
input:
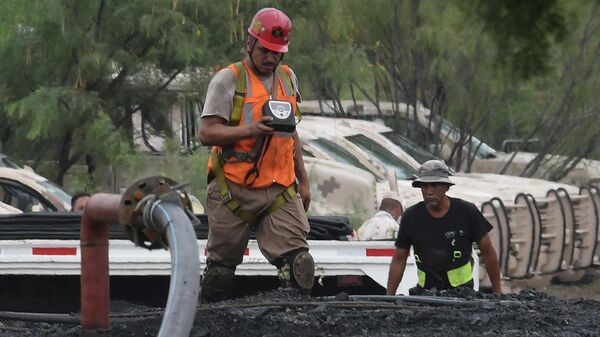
[250,218]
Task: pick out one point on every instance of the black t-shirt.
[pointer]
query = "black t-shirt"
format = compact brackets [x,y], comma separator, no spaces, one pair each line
[435,240]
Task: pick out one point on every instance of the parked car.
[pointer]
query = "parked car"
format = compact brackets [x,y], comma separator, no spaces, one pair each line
[486,159]
[364,144]
[30,192]
[8,209]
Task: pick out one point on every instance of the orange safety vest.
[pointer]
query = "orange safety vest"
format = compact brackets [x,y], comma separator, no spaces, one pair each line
[277,162]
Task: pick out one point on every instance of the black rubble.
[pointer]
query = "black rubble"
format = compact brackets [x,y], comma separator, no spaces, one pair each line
[277,313]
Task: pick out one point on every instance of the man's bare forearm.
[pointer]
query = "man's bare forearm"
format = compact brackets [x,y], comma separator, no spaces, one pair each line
[215,131]
[221,135]
[397,267]
[493,271]
[490,258]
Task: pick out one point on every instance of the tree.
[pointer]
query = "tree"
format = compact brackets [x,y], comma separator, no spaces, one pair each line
[431,54]
[74,73]
[325,52]
[524,31]
[566,120]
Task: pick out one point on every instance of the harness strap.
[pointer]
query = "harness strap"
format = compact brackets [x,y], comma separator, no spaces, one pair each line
[236,115]
[251,219]
[287,195]
[240,93]
[289,88]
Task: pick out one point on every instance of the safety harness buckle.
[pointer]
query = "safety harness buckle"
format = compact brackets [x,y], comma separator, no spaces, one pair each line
[234,206]
[226,197]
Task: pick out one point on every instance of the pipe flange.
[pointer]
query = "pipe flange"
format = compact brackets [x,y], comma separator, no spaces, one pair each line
[144,193]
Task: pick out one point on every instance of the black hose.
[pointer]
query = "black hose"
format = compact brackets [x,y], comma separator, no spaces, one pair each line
[40,317]
[414,299]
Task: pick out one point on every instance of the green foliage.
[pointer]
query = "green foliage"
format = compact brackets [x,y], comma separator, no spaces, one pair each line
[196,174]
[523,30]
[74,73]
[68,65]
[190,169]
[64,107]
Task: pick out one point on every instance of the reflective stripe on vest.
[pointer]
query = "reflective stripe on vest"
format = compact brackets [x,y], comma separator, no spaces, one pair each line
[421,276]
[461,275]
[457,276]
[277,162]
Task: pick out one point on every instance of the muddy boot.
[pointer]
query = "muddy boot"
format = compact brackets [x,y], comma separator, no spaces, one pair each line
[298,272]
[217,284]
[303,270]
[284,276]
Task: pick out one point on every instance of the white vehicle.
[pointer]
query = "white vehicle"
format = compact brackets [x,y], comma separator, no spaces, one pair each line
[490,160]
[30,192]
[340,189]
[486,159]
[380,155]
[8,209]
[585,171]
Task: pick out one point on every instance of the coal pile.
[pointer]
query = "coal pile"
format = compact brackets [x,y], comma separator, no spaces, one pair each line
[278,313]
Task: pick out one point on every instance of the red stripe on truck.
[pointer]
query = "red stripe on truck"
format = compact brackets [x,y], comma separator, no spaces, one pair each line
[54,251]
[380,251]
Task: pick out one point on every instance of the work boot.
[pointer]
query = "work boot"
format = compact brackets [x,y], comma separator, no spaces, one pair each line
[298,272]
[303,270]
[284,276]
[217,285]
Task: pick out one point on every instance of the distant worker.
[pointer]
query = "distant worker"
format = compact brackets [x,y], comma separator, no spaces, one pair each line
[78,201]
[257,179]
[384,224]
[442,230]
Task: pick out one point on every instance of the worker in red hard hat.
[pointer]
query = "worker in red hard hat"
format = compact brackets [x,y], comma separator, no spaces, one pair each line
[271,27]
[256,176]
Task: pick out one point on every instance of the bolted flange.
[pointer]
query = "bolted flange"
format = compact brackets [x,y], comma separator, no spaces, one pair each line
[142,194]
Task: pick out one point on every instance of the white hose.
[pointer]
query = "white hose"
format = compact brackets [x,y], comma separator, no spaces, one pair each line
[180,311]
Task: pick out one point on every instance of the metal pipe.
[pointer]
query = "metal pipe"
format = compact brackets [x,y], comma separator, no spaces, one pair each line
[162,215]
[169,218]
[100,211]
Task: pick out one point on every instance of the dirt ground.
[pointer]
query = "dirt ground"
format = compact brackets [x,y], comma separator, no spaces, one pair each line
[588,288]
[278,313]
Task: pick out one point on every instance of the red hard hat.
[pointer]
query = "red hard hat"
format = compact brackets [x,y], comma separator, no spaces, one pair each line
[271,27]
